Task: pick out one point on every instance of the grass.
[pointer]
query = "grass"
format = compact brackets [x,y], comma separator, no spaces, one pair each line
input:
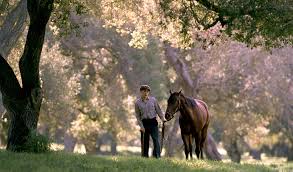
[63,162]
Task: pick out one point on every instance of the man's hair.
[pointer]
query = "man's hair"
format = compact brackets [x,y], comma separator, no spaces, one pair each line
[145,87]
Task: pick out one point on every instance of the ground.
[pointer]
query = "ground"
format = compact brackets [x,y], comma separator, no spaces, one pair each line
[63,162]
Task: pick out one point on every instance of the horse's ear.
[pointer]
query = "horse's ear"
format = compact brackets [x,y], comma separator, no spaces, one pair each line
[170,91]
[180,91]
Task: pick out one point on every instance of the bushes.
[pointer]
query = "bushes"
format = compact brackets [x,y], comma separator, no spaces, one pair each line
[36,143]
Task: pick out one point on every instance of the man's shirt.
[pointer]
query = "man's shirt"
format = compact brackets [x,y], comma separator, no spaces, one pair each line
[147,109]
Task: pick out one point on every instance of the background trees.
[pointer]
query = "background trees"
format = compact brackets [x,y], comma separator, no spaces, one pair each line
[96,54]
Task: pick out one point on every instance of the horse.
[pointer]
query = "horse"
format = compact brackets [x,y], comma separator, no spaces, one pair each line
[193,120]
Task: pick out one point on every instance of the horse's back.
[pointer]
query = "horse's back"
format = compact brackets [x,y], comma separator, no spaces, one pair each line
[203,110]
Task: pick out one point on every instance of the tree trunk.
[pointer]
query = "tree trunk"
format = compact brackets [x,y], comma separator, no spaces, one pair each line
[2,109]
[90,147]
[290,154]
[233,151]
[4,127]
[210,149]
[190,85]
[114,147]
[23,121]
[113,138]
[69,142]
[23,103]
[10,31]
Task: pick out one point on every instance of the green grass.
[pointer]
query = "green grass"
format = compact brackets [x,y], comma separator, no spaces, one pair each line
[58,161]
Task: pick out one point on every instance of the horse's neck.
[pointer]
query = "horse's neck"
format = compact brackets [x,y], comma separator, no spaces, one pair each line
[184,107]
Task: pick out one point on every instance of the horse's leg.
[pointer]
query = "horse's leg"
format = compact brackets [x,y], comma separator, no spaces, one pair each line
[190,145]
[185,138]
[203,138]
[201,150]
[197,142]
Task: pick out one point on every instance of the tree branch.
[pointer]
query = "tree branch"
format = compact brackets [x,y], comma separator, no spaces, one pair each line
[209,6]
[9,85]
[29,63]
[221,13]
[180,67]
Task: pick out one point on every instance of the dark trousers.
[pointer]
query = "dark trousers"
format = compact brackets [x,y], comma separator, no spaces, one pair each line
[151,129]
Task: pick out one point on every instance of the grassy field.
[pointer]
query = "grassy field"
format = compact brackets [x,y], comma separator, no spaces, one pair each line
[58,161]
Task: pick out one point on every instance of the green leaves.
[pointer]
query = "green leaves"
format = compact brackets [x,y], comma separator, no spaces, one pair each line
[63,13]
[37,143]
[256,23]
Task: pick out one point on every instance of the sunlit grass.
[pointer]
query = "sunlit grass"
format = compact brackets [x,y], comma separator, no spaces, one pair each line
[59,161]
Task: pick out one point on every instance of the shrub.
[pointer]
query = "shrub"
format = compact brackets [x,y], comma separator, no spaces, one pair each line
[37,143]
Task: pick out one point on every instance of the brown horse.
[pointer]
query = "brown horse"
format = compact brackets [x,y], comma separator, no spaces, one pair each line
[194,121]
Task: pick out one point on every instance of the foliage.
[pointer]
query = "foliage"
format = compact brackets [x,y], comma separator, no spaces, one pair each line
[37,143]
[244,88]
[257,23]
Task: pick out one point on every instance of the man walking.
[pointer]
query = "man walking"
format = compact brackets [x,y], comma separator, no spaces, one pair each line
[146,110]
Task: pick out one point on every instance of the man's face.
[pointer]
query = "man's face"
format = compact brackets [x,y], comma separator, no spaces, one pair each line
[144,93]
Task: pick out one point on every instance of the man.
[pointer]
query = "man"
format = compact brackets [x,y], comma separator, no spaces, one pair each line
[146,110]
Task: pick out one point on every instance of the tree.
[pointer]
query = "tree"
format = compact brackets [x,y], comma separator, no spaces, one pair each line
[11,29]
[257,23]
[239,84]
[103,62]
[23,102]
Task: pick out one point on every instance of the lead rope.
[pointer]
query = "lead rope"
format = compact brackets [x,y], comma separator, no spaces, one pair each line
[162,138]
[163,127]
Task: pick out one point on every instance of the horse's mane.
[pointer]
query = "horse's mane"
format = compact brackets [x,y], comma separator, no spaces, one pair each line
[190,102]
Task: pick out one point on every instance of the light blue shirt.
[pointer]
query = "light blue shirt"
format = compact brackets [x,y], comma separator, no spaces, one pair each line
[147,109]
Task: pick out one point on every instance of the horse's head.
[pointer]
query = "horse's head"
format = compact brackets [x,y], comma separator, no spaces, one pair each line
[173,105]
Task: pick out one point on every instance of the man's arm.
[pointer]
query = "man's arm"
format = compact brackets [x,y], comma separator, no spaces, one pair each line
[159,111]
[138,116]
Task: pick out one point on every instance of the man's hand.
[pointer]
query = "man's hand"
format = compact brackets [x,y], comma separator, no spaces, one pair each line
[142,130]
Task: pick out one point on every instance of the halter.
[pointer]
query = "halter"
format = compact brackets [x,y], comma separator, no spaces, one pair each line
[177,109]
[179,105]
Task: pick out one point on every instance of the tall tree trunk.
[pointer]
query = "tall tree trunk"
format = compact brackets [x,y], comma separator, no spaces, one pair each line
[190,86]
[11,30]
[233,150]
[210,149]
[23,103]
[4,127]
[290,154]
[69,142]
[91,145]
[114,144]
[285,120]
[2,109]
